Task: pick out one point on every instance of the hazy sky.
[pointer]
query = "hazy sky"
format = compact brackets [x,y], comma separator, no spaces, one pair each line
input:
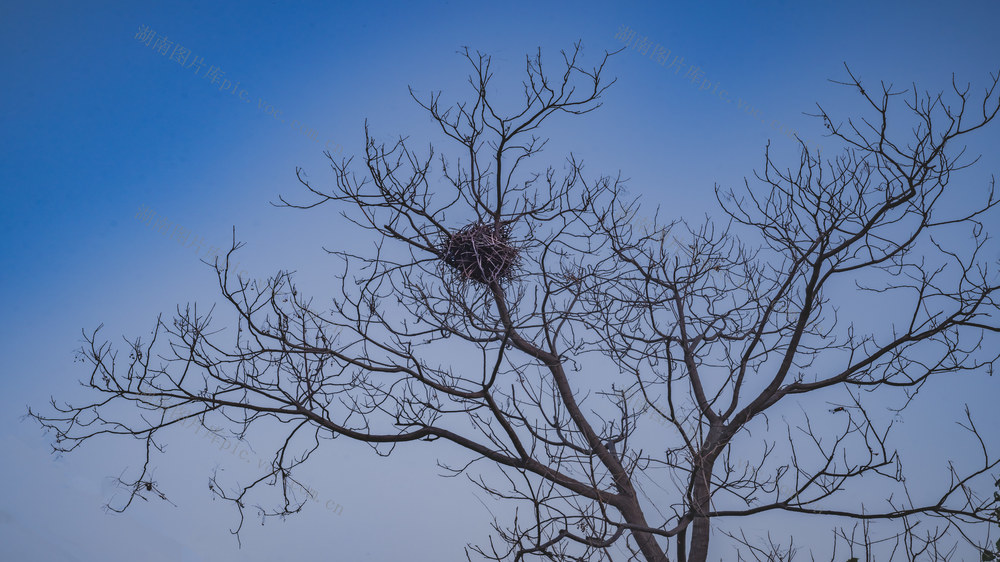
[99,127]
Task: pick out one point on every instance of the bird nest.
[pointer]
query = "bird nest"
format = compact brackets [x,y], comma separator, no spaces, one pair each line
[481,252]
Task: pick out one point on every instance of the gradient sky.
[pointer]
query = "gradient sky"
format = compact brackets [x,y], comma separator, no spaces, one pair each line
[97,125]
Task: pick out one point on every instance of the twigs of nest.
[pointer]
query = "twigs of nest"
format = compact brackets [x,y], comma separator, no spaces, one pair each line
[480,252]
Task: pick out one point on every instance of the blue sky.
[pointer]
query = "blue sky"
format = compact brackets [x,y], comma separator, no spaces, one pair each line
[97,125]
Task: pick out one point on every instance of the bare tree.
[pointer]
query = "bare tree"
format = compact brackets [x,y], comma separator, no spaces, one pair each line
[599,360]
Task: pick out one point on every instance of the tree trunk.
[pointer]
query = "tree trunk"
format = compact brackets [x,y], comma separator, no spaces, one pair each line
[701,503]
[682,545]
[649,548]
[651,551]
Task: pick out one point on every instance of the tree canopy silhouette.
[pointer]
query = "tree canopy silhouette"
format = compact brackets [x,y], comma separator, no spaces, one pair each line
[580,361]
